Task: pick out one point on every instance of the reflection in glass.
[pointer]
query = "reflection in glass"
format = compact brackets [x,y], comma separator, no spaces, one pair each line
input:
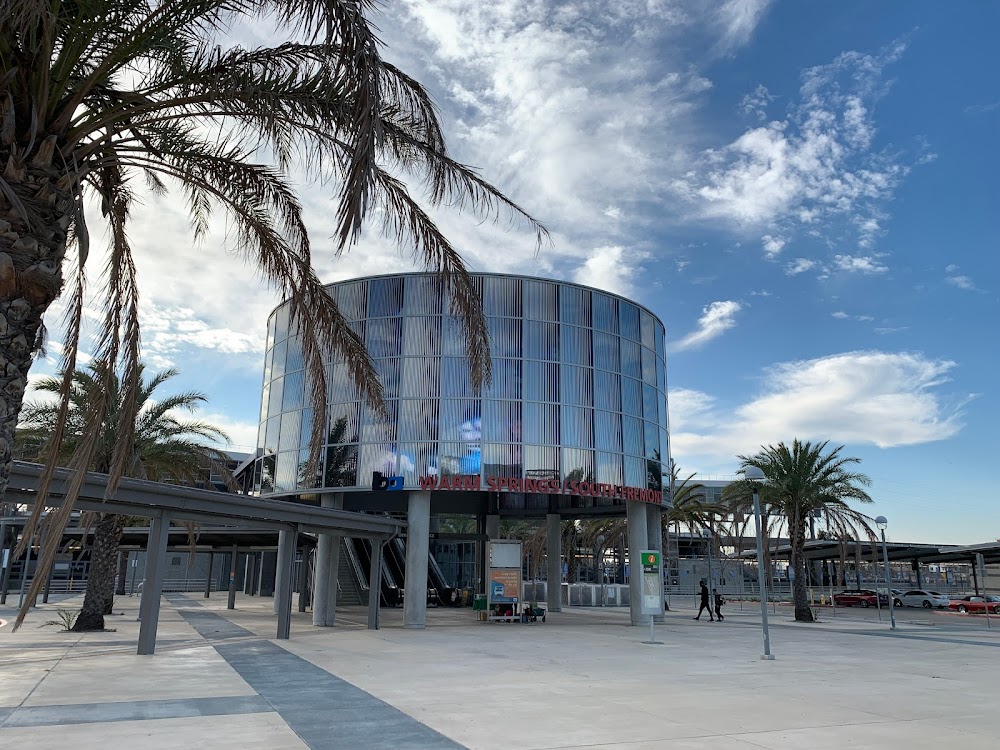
[264,398]
[458,458]
[609,468]
[343,424]
[422,336]
[541,300]
[274,398]
[607,391]
[650,403]
[293,357]
[631,397]
[421,377]
[577,386]
[607,431]
[291,423]
[292,391]
[575,347]
[628,316]
[502,296]
[632,434]
[659,334]
[385,297]
[418,419]
[416,460]
[605,313]
[305,433]
[631,359]
[267,466]
[574,305]
[635,471]
[422,295]
[651,434]
[456,380]
[376,457]
[505,336]
[351,299]
[384,338]
[648,366]
[606,351]
[281,323]
[577,427]
[541,462]
[341,466]
[376,428]
[278,359]
[542,380]
[541,340]
[502,421]
[647,330]
[506,383]
[541,423]
[578,465]
[502,460]
[271,434]
[287,471]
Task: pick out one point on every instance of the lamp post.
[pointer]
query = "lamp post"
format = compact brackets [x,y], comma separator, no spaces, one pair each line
[599,566]
[707,534]
[882,522]
[755,476]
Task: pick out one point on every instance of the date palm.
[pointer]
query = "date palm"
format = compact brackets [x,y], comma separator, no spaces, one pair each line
[803,481]
[102,100]
[164,448]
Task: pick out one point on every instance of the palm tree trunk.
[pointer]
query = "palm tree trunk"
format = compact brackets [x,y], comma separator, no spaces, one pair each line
[101,581]
[800,591]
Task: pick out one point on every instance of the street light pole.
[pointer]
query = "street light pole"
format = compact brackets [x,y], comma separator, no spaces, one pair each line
[755,476]
[882,522]
[599,567]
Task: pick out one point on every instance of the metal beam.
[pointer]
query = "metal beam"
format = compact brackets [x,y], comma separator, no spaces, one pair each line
[375,585]
[152,587]
[283,594]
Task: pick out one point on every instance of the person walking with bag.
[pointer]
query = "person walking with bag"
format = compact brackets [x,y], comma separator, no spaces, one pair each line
[719,601]
[704,602]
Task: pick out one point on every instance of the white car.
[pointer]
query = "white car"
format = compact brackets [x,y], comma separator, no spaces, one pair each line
[925,599]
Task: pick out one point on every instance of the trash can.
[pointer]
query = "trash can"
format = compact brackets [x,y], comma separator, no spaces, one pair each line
[479,606]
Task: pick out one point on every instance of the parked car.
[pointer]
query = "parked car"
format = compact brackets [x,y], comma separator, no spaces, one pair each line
[925,599]
[860,597]
[976,604]
[897,597]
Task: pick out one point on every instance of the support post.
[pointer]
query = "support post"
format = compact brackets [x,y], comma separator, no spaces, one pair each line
[48,582]
[553,564]
[303,580]
[375,583]
[327,570]
[8,554]
[418,526]
[149,605]
[654,537]
[234,556]
[285,542]
[283,583]
[637,539]
[208,576]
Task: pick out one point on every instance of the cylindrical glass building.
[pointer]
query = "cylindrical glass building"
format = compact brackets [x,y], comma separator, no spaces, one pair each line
[575,416]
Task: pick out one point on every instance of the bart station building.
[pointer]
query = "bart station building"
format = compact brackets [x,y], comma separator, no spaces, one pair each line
[573,424]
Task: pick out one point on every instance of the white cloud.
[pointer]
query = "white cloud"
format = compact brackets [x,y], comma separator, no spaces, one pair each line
[772,245]
[885,399]
[962,282]
[951,268]
[242,434]
[761,293]
[755,103]
[814,167]
[840,315]
[716,319]
[800,265]
[738,19]
[612,268]
[859,264]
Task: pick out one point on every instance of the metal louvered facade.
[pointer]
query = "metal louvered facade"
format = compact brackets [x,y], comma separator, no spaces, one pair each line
[578,390]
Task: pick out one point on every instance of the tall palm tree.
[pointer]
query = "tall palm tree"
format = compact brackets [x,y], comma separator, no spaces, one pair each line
[802,482]
[164,448]
[99,98]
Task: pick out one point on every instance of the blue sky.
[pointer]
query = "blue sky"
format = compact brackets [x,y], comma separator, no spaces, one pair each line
[804,192]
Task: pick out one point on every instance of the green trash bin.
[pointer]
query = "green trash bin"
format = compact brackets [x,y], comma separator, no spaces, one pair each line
[479,602]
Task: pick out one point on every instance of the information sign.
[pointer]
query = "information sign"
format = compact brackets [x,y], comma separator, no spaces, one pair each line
[652,582]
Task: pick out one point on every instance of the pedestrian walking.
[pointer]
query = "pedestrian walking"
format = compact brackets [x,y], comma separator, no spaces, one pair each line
[719,601]
[704,603]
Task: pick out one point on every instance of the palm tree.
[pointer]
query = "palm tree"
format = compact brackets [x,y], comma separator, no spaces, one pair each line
[164,448]
[803,482]
[99,98]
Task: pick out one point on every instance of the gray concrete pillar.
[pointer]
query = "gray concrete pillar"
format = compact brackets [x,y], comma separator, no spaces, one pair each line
[152,587]
[418,526]
[493,527]
[283,578]
[327,570]
[553,561]
[234,556]
[285,542]
[375,584]
[637,540]
[208,576]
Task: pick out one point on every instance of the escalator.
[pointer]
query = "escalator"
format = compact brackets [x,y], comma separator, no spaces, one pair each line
[390,594]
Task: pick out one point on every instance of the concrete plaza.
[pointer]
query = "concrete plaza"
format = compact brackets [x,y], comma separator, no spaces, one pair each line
[584,679]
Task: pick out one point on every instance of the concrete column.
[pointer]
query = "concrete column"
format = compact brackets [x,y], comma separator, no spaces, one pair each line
[303,581]
[637,540]
[284,576]
[285,542]
[418,526]
[234,556]
[654,535]
[375,584]
[327,570]
[149,606]
[492,528]
[553,565]
[208,576]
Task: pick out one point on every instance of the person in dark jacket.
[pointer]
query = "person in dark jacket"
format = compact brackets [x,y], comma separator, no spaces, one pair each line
[719,601]
[704,603]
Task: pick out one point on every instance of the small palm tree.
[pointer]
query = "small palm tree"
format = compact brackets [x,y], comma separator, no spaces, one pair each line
[802,482]
[164,448]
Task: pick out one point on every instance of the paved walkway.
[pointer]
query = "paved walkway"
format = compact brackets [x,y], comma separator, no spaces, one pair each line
[582,680]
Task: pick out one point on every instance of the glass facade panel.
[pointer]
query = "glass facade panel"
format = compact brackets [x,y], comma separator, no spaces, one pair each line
[384,338]
[270,334]
[574,305]
[632,434]
[378,428]
[502,460]
[606,352]
[661,376]
[293,356]
[341,466]
[541,423]
[287,471]
[577,427]
[578,465]
[605,313]
[647,330]
[505,336]
[421,377]
[631,397]
[456,378]
[414,459]
[631,359]
[541,462]
[541,300]
[660,333]
[575,346]
[577,385]
[635,471]
[459,458]
[502,421]
[608,431]
[278,359]
[607,390]
[264,398]
[452,337]
[628,318]
[609,468]
[648,366]
[422,336]
[389,372]
[305,433]
[651,435]
[650,403]
[352,299]
[274,399]
[418,419]
[271,435]
[281,323]
[506,383]
[542,381]
[422,295]
[375,457]
[292,392]
[291,423]
[502,296]
[385,297]
[541,340]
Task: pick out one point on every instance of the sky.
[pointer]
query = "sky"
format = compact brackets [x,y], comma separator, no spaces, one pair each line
[804,192]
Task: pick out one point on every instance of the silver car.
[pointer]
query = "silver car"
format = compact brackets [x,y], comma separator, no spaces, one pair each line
[925,599]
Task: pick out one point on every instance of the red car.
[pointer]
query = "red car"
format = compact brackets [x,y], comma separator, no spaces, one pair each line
[860,597]
[976,604]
